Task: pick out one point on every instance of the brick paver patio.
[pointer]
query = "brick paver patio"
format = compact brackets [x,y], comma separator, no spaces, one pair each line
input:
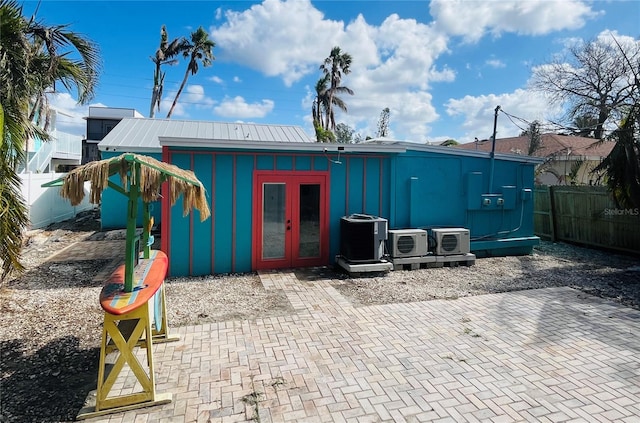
[544,355]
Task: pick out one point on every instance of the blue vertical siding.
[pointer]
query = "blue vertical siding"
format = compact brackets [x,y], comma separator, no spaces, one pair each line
[321,163]
[304,163]
[264,162]
[223,203]
[113,207]
[201,243]
[412,190]
[355,181]
[244,213]
[180,228]
[337,204]
[284,162]
[373,189]
[439,190]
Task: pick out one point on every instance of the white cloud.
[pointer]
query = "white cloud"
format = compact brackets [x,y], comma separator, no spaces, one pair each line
[473,19]
[238,108]
[495,63]
[216,79]
[237,79]
[70,114]
[478,113]
[393,64]
[279,38]
[192,96]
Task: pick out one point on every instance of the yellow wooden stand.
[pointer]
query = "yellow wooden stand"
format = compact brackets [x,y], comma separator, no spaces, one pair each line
[130,302]
[121,334]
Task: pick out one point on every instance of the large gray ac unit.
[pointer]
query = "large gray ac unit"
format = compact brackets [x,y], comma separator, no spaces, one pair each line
[408,243]
[450,241]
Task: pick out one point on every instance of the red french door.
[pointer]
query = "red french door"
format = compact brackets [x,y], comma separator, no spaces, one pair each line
[290,220]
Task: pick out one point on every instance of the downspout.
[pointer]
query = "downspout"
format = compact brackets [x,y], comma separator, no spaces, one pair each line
[493,149]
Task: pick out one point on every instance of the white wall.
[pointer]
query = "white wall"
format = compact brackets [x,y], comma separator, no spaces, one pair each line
[46,206]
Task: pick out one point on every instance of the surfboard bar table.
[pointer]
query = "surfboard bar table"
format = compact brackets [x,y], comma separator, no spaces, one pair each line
[131,319]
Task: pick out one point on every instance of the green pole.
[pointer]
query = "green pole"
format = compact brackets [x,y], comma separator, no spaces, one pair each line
[146,230]
[132,213]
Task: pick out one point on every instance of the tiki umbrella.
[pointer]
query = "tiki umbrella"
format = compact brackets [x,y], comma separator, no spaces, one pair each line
[141,177]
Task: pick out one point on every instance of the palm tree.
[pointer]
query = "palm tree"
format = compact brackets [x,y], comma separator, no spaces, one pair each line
[320,101]
[32,61]
[199,49]
[48,67]
[165,55]
[622,165]
[337,64]
[321,109]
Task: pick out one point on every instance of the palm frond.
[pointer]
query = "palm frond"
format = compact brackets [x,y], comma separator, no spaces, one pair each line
[14,217]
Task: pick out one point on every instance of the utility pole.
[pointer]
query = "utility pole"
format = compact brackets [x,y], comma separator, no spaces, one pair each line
[493,148]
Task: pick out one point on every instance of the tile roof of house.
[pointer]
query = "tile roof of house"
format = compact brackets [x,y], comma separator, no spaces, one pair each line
[143,135]
[551,145]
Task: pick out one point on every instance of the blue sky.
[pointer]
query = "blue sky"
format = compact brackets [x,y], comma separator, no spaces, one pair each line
[441,67]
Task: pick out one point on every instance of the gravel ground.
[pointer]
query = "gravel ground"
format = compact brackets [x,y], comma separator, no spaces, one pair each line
[49,346]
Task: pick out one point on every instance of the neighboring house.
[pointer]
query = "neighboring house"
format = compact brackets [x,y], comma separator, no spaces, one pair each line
[46,160]
[568,159]
[60,152]
[277,197]
[100,122]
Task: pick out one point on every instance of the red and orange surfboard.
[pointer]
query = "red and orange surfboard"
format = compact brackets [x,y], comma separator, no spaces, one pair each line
[148,277]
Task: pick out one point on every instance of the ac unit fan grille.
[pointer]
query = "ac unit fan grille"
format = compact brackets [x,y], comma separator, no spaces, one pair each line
[406,244]
[449,242]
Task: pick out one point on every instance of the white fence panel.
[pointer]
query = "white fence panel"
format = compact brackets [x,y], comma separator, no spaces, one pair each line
[46,206]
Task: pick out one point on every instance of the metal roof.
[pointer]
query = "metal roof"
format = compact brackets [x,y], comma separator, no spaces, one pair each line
[149,135]
[143,135]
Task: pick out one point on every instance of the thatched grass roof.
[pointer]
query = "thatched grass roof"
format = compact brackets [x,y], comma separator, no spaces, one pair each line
[152,173]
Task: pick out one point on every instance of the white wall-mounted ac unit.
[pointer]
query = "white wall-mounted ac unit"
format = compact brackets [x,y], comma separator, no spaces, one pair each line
[408,243]
[451,241]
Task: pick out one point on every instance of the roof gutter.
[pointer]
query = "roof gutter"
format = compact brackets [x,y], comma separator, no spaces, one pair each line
[270,145]
[157,150]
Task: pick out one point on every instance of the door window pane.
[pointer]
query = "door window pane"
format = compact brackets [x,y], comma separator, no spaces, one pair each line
[273,221]
[309,221]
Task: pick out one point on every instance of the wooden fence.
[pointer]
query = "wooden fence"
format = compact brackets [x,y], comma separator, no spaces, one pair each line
[585,215]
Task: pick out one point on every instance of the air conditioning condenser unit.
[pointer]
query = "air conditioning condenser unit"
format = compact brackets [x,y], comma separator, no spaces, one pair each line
[451,241]
[408,243]
[362,237]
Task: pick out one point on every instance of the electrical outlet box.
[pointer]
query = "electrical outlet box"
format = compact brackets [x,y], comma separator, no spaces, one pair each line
[489,201]
[526,194]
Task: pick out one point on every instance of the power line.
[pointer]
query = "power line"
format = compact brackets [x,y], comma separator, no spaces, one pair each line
[553,127]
